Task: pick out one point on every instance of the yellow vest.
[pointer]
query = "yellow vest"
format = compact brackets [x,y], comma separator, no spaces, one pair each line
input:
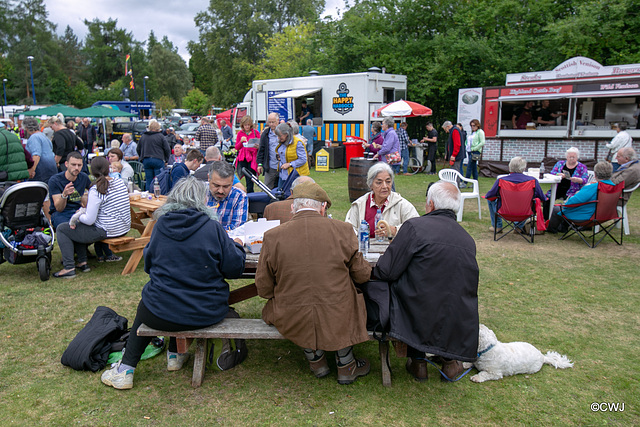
[291,155]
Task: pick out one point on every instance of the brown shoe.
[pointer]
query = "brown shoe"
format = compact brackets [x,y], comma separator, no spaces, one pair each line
[320,367]
[452,369]
[349,372]
[417,368]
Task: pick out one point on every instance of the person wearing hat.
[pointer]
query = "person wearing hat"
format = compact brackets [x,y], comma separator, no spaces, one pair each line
[307,271]
[283,209]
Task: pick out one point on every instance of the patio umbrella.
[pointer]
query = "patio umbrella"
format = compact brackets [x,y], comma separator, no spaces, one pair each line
[53,110]
[402,108]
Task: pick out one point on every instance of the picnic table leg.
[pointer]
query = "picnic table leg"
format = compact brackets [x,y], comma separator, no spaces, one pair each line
[384,357]
[199,362]
[136,255]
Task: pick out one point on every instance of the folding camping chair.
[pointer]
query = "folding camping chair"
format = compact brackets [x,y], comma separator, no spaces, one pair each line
[607,198]
[517,205]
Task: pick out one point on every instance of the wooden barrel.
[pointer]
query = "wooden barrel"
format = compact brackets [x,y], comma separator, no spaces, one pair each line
[358,168]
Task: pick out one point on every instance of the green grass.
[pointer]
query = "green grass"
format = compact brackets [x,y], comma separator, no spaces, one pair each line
[556,295]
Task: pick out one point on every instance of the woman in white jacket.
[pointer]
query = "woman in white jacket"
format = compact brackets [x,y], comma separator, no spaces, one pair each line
[394,208]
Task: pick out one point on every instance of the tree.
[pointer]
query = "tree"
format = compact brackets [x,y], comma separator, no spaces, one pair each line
[196,102]
[232,37]
[287,54]
[164,104]
[170,75]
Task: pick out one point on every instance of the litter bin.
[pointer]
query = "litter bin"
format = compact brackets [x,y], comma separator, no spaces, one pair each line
[354,148]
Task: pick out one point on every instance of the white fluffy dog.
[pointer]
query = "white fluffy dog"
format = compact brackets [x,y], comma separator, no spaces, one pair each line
[496,360]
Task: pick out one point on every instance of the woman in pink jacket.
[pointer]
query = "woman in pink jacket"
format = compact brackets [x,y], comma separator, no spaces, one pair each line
[247,142]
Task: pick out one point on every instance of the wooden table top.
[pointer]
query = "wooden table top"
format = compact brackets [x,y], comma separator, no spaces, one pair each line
[146,204]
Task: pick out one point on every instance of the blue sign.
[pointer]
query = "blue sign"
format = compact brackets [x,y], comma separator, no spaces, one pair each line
[278,105]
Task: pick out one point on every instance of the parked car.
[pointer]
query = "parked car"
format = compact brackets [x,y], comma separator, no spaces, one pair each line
[136,129]
[188,129]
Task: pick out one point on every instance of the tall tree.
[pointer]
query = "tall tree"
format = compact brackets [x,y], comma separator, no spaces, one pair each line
[231,37]
[169,74]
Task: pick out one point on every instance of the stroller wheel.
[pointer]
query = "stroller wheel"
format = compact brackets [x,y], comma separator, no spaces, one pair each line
[44,268]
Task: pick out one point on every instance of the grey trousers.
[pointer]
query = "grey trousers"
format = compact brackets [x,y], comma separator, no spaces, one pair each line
[271,178]
[76,241]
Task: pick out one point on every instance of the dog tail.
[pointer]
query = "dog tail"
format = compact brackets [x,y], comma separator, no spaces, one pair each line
[558,361]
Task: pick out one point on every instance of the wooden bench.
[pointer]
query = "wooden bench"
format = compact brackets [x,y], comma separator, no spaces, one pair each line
[248,329]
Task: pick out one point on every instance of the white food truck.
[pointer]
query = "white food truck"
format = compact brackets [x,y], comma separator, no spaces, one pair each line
[341,104]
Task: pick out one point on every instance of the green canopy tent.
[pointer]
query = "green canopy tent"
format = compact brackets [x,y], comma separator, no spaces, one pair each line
[53,110]
[100,112]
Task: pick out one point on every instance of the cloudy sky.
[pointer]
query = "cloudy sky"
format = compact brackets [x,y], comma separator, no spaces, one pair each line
[173,18]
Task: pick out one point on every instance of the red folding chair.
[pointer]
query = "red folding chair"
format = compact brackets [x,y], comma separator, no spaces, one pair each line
[517,205]
[607,199]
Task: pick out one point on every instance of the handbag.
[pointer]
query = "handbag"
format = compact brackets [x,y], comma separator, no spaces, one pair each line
[393,158]
[475,156]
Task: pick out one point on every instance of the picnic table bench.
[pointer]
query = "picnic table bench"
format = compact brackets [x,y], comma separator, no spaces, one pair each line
[248,329]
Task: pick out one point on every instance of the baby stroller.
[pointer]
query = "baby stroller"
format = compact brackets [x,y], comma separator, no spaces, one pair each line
[259,201]
[25,233]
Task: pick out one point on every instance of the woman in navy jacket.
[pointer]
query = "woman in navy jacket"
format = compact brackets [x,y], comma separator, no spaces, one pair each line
[188,259]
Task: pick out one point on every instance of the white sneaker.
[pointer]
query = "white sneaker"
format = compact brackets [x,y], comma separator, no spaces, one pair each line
[176,360]
[121,381]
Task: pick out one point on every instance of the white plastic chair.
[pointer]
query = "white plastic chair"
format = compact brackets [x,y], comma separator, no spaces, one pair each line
[453,176]
[625,220]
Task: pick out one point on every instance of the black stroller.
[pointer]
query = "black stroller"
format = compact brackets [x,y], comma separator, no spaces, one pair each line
[25,233]
[259,201]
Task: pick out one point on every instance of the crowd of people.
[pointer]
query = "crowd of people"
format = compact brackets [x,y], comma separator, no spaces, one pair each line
[430,261]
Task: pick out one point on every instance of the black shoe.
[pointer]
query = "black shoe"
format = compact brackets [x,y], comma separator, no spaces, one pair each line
[68,275]
[83,268]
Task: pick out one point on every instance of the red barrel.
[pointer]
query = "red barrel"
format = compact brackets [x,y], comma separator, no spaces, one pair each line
[354,148]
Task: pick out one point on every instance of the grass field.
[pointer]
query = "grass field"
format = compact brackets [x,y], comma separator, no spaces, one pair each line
[556,295]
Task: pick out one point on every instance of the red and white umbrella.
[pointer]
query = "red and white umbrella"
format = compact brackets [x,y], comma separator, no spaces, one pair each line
[402,108]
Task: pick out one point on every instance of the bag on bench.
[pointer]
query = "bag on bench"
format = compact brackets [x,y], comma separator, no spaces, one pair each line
[221,353]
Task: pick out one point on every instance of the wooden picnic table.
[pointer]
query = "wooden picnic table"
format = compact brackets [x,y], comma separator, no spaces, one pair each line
[251,264]
[145,209]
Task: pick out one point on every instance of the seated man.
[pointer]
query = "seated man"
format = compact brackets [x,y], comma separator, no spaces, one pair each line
[230,204]
[282,210]
[628,171]
[603,171]
[212,154]
[67,190]
[309,284]
[517,166]
[432,267]
[192,161]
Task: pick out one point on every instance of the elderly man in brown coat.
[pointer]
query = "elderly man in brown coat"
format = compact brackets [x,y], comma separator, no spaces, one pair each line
[307,270]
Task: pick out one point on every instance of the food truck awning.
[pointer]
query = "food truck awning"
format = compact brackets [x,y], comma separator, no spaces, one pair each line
[633,92]
[296,93]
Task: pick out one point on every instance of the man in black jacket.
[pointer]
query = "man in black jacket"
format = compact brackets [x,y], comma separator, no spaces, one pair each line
[432,269]
[267,162]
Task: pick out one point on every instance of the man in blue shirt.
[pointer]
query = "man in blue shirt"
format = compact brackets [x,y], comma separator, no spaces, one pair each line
[129,147]
[309,132]
[230,204]
[67,190]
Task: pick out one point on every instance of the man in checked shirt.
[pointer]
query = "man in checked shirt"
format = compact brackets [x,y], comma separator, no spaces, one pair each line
[230,204]
[206,134]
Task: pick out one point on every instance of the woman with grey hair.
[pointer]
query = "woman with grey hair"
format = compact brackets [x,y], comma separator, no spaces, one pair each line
[188,259]
[390,144]
[574,176]
[588,193]
[41,149]
[394,208]
[290,152]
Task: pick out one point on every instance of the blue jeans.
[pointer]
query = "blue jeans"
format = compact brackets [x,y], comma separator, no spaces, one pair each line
[472,166]
[493,207]
[405,160]
[152,167]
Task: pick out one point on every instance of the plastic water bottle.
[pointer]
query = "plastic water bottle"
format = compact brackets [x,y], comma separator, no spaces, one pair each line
[379,238]
[363,238]
[541,170]
[156,187]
